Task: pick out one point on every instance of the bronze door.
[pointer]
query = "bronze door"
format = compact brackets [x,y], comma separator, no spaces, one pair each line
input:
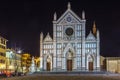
[48,66]
[90,66]
[69,65]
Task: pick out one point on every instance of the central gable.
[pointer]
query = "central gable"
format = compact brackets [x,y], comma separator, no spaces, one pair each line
[48,38]
[69,17]
[91,37]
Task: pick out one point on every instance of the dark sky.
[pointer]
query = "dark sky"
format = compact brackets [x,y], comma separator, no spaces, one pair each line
[22,21]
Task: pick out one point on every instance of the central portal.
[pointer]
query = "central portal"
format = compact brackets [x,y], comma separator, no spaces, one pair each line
[69,65]
[69,60]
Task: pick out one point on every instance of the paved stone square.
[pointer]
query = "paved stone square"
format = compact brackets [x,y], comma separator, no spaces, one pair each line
[64,77]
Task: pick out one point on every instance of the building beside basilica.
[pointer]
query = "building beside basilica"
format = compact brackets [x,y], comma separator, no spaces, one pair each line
[70,49]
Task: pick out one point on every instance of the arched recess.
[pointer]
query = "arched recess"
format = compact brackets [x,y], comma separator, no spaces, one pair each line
[90,62]
[49,63]
[67,48]
[68,58]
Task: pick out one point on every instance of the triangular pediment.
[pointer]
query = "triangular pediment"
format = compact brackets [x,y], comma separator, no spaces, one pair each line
[90,37]
[48,38]
[69,17]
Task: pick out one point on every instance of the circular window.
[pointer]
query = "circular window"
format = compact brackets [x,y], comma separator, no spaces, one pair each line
[68,19]
[69,31]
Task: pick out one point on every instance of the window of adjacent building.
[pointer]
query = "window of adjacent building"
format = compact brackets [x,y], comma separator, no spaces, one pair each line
[4,42]
[2,54]
[1,40]
[1,46]
[2,61]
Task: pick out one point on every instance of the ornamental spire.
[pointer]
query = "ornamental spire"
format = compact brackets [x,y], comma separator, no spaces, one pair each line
[69,5]
[41,36]
[48,34]
[55,16]
[94,28]
[83,14]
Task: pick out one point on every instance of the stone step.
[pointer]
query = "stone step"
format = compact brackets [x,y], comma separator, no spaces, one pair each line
[67,72]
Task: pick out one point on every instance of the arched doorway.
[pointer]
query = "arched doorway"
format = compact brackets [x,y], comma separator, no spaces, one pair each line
[69,61]
[48,64]
[90,66]
[69,64]
[90,63]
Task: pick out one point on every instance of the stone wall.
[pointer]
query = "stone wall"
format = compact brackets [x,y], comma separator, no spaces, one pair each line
[113,64]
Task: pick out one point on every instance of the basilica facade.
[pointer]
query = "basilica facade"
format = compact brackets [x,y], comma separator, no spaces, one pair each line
[70,49]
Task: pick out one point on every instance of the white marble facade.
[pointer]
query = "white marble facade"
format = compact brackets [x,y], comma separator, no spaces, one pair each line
[70,49]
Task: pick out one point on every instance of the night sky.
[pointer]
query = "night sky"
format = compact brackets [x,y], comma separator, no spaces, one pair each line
[21,22]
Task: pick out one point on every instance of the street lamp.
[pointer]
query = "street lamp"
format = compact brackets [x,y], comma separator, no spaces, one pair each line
[19,51]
